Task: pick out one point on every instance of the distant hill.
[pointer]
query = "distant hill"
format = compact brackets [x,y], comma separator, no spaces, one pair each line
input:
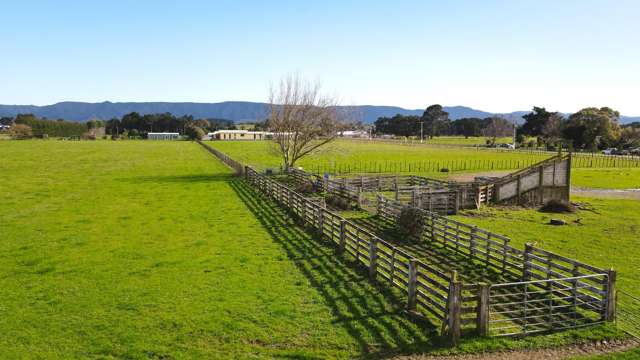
[233,110]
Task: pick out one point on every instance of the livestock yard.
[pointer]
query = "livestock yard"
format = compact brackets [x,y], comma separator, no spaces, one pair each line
[165,246]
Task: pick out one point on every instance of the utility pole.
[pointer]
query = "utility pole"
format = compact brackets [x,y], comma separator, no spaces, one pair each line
[514,134]
[421,131]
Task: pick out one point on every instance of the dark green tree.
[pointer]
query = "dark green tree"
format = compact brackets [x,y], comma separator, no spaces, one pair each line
[436,121]
[591,128]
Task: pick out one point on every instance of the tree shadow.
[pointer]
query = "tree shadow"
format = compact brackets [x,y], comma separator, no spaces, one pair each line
[373,315]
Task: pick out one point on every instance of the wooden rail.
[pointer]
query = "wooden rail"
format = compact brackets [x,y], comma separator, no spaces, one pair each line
[548,291]
[563,281]
[426,287]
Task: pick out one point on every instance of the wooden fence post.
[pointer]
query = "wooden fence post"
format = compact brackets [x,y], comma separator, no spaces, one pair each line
[528,249]
[320,215]
[454,308]
[343,236]
[482,320]
[373,258]
[541,184]
[518,190]
[610,313]
[412,289]
[303,212]
[290,200]
[472,242]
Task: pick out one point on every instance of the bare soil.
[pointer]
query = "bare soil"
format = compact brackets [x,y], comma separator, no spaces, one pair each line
[592,349]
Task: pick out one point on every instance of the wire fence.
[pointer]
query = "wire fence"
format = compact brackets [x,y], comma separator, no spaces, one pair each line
[580,161]
[628,313]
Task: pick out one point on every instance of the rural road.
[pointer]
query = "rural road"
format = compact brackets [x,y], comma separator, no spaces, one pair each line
[633,194]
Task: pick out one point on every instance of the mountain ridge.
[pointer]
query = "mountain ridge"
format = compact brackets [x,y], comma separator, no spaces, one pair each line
[237,111]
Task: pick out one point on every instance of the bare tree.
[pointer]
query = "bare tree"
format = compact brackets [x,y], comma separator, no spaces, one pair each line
[497,127]
[302,118]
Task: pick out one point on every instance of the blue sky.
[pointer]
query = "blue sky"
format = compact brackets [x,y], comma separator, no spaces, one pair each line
[492,55]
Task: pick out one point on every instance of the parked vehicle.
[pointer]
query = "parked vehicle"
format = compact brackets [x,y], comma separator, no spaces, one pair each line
[609,151]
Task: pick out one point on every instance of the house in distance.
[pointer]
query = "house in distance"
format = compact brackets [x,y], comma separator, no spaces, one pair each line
[240,135]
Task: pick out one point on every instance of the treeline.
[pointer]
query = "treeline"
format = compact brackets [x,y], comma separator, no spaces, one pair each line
[435,122]
[132,125]
[135,123]
[588,129]
[41,127]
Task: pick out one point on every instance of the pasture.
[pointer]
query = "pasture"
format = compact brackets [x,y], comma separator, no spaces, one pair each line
[602,231]
[148,250]
[350,156]
[141,249]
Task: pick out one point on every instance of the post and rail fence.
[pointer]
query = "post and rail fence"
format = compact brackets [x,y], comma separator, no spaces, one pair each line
[543,292]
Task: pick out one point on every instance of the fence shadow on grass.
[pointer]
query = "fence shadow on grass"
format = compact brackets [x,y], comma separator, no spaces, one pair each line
[433,253]
[374,316]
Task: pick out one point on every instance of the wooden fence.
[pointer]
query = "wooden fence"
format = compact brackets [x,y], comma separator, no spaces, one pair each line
[427,288]
[236,166]
[548,291]
[537,184]
[575,293]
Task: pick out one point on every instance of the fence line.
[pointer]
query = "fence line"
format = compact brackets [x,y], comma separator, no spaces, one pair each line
[587,295]
[430,166]
[426,288]
[592,295]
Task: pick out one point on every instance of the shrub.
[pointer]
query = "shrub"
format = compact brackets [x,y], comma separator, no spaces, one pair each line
[194,133]
[558,206]
[20,132]
[305,187]
[410,223]
[338,202]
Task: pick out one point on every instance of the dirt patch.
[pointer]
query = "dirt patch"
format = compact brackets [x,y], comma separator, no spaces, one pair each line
[632,194]
[467,177]
[592,349]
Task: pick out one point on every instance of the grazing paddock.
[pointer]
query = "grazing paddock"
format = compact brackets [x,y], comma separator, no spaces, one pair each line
[139,249]
[364,156]
[135,249]
[603,231]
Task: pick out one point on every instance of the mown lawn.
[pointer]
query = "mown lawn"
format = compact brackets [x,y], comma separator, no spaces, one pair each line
[150,250]
[261,154]
[603,232]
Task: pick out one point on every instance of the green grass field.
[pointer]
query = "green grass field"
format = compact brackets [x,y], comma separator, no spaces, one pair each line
[603,233]
[141,249]
[262,154]
[148,250]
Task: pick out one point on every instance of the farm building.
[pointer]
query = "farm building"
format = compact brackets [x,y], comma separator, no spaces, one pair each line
[354,134]
[239,135]
[163,136]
